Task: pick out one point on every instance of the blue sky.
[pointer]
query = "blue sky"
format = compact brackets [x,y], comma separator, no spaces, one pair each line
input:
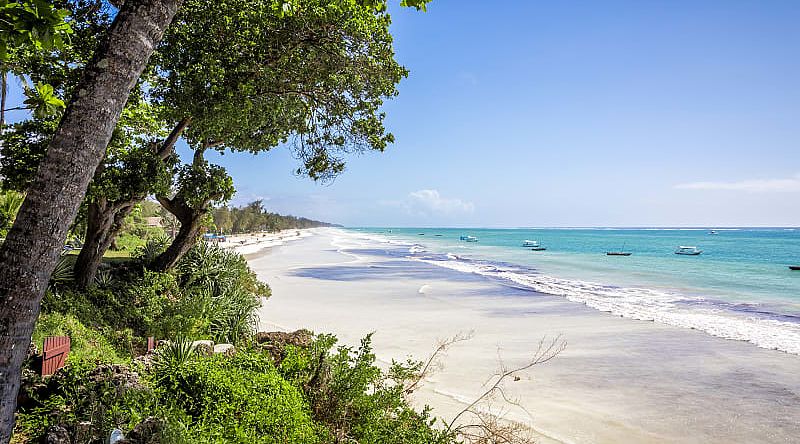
[573,113]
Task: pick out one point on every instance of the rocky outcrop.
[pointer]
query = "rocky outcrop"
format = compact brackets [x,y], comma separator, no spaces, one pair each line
[275,342]
[121,377]
[224,349]
[146,432]
[57,435]
[203,347]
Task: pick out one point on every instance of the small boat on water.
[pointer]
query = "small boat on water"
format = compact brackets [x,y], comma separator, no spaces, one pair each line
[530,243]
[794,267]
[713,232]
[688,251]
[469,238]
[621,252]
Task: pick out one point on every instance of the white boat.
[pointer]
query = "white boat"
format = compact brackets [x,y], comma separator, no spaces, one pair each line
[688,251]
[469,238]
[713,232]
[530,243]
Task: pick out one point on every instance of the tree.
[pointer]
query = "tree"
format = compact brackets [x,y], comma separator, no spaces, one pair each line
[201,184]
[251,76]
[136,164]
[222,220]
[30,252]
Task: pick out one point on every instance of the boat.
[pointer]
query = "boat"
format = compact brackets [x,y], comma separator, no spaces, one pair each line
[688,251]
[530,243]
[794,267]
[469,238]
[621,252]
[713,232]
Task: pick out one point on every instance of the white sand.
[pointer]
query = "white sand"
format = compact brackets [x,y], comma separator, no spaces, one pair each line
[618,381]
[255,243]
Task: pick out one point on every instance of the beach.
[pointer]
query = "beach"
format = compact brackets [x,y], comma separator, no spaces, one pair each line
[619,380]
[251,244]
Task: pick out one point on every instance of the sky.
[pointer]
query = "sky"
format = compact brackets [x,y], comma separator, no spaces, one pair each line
[572,113]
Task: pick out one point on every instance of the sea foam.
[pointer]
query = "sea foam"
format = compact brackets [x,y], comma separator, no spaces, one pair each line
[643,304]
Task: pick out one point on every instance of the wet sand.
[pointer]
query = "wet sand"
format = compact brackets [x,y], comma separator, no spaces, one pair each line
[618,381]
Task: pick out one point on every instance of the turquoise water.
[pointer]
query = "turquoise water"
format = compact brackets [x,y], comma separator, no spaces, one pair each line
[739,288]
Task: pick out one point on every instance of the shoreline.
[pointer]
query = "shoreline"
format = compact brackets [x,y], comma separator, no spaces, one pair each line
[619,380]
[256,244]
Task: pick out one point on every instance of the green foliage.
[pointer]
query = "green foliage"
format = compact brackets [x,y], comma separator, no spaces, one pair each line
[242,399]
[230,289]
[23,146]
[212,294]
[95,400]
[173,356]
[34,23]
[252,217]
[353,398]
[42,100]
[151,249]
[88,346]
[253,74]
[63,273]
[201,184]
[10,203]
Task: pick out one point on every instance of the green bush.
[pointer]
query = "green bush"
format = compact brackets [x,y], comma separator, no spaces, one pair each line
[88,346]
[240,400]
[91,401]
[353,398]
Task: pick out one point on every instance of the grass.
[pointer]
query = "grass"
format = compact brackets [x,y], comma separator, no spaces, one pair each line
[110,256]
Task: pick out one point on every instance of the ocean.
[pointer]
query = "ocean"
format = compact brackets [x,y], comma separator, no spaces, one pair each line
[739,288]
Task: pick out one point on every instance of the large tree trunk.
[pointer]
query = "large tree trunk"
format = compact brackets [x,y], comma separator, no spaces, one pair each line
[106,219]
[103,222]
[191,225]
[30,252]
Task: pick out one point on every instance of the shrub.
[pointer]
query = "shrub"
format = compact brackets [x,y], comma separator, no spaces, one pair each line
[147,251]
[91,401]
[88,346]
[355,399]
[241,400]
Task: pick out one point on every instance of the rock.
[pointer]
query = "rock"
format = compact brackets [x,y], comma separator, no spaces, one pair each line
[144,362]
[225,349]
[275,342]
[83,432]
[33,351]
[299,338]
[120,376]
[203,347]
[146,432]
[57,435]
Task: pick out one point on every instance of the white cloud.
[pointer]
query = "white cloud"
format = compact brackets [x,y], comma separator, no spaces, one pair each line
[430,202]
[791,184]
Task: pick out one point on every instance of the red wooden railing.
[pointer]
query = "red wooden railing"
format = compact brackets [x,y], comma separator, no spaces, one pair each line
[54,354]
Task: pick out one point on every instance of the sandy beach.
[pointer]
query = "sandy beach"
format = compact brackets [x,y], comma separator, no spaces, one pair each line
[618,381]
[252,244]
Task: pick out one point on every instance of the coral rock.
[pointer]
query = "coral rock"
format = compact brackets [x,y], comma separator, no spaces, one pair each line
[146,432]
[57,435]
[225,349]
